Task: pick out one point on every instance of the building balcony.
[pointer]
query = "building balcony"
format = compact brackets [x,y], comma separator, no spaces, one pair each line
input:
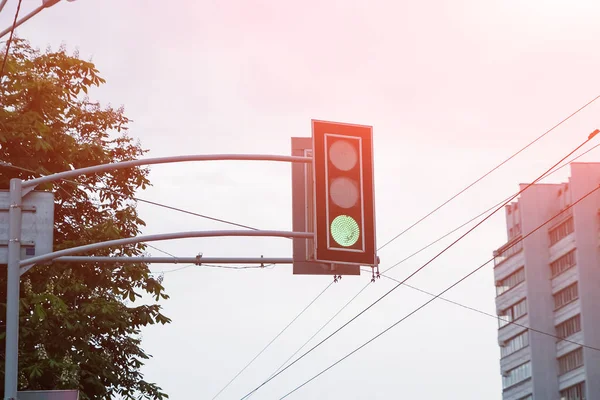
[505,252]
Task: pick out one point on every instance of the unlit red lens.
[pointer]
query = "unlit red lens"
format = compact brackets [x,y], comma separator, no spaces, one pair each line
[343,155]
[344,192]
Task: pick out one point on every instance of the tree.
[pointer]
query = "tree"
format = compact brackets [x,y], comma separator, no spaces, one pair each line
[79,326]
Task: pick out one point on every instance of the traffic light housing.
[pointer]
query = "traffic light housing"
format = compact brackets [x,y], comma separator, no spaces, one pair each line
[343,193]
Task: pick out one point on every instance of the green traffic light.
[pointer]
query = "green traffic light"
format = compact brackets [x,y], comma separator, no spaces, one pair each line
[345,230]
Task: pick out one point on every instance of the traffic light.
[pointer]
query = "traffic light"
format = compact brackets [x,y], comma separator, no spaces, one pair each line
[343,192]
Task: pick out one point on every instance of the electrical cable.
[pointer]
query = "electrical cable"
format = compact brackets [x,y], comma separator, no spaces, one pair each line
[412,255]
[271,342]
[484,212]
[175,270]
[158,204]
[497,317]
[417,252]
[489,172]
[245,226]
[9,165]
[194,213]
[6,164]
[315,334]
[400,234]
[157,249]
[590,137]
[446,290]
[2,4]
[266,266]
[9,41]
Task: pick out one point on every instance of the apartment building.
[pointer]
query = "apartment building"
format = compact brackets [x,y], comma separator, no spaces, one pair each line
[548,291]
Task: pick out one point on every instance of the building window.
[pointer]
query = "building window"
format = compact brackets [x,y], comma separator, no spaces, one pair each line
[512,313]
[508,250]
[570,361]
[516,375]
[561,231]
[510,281]
[576,392]
[563,263]
[515,343]
[569,327]
[518,229]
[565,296]
[529,397]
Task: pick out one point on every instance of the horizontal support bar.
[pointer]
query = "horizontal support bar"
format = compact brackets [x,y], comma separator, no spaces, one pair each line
[162,160]
[174,260]
[23,209]
[24,243]
[157,237]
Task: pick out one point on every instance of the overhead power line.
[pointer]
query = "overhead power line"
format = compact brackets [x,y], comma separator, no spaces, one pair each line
[9,41]
[313,336]
[5,164]
[590,137]
[248,227]
[224,221]
[272,340]
[9,165]
[252,228]
[154,203]
[496,317]
[266,266]
[485,212]
[160,250]
[446,290]
[489,172]
[2,4]
[412,255]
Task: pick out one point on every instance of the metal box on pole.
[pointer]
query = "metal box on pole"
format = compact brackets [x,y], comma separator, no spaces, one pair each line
[37,225]
[48,395]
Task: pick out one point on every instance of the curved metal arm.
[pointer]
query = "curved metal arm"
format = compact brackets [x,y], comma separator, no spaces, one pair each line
[161,236]
[162,160]
[175,260]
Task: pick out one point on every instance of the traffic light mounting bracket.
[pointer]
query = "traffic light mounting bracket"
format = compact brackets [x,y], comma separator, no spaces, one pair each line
[303,217]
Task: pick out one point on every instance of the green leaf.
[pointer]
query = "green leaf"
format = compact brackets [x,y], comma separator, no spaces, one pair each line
[39,311]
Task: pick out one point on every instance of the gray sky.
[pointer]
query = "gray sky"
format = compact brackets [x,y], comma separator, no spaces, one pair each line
[451,88]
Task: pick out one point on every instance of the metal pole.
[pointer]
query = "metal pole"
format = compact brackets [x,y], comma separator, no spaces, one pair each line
[23,20]
[161,160]
[12,290]
[174,260]
[29,262]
